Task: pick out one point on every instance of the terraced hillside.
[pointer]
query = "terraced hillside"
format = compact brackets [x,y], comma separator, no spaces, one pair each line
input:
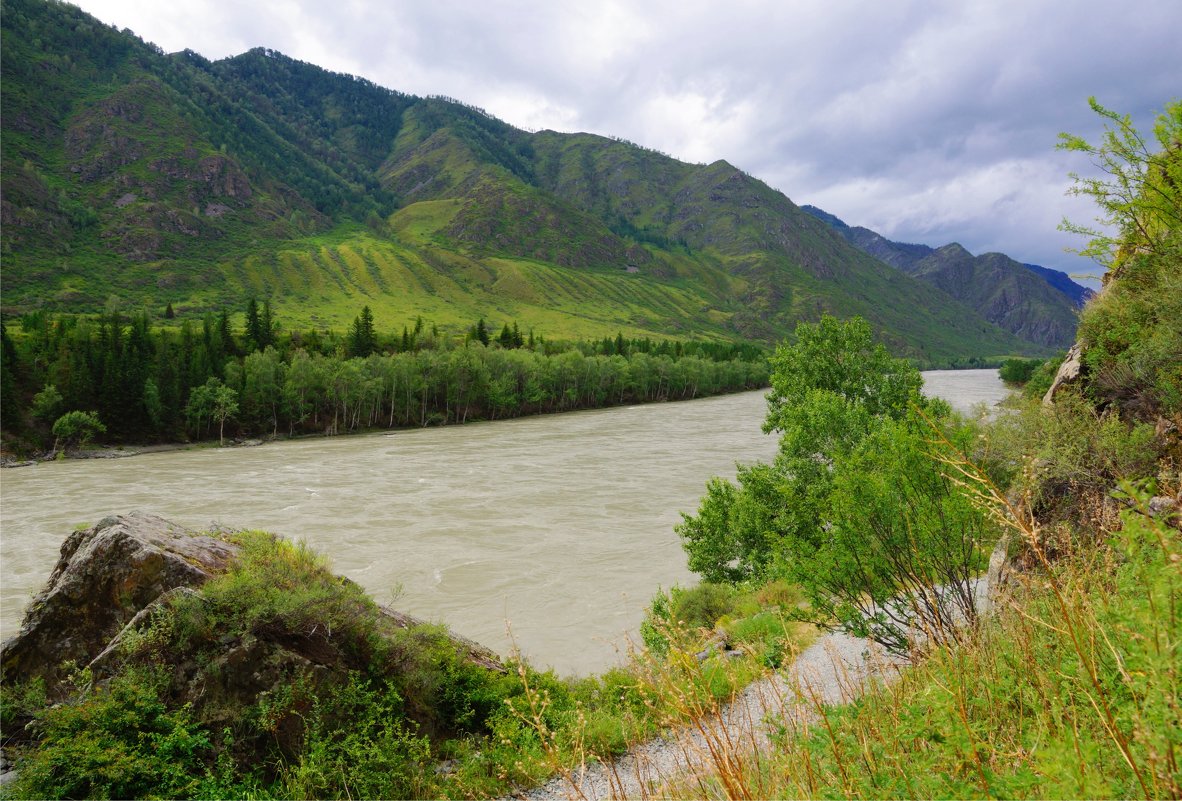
[146,179]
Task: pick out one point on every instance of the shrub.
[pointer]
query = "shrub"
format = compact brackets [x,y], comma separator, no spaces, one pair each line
[1018,371]
[119,741]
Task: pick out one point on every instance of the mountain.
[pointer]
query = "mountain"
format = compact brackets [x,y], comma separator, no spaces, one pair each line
[1036,303]
[138,178]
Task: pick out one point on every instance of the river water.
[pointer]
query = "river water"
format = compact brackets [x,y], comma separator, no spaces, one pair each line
[557,528]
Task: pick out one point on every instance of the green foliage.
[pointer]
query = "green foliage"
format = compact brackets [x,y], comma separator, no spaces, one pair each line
[376,754]
[903,543]
[77,428]
[1133,340]
[856,508]
[753,618]
[1019,371]
[213,401]
[120,741]
[829,389]
[47,403]
[840,359]
[1071,692]
[363,339]
[1069,454]
[165,385]
[1042,377]
[1139,192]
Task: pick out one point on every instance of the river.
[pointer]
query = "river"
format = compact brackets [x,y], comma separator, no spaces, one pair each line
[558,528]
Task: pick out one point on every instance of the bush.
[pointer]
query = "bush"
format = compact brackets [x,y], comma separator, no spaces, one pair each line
[119,741]
[1133,339]
[1018,371]
[77,428]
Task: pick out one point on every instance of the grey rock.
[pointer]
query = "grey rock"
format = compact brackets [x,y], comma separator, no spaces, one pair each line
[1068,373]
[105,575]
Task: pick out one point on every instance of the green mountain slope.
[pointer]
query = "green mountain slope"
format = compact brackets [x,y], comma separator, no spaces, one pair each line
[150,178]
[1035,303]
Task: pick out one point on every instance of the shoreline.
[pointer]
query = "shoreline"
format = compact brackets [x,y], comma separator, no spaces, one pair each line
[126,451]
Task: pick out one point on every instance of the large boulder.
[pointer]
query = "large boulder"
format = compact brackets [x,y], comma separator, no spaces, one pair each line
[105,575]
[112,576]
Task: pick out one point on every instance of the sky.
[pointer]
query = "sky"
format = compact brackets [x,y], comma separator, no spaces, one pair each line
[929,121]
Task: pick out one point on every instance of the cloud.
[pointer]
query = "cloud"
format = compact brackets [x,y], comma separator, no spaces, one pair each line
[929,121]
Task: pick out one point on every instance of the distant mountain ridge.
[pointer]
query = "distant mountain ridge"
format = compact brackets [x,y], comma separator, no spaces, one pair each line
[136,177]
[1036,303]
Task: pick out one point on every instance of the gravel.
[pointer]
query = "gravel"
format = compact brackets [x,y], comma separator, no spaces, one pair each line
[833,670]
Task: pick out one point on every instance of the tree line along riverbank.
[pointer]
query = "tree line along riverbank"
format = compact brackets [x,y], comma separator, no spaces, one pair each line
[70,379]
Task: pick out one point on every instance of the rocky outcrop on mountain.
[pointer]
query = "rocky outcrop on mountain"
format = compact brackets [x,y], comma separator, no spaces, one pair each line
[1004,292]
[1068,373]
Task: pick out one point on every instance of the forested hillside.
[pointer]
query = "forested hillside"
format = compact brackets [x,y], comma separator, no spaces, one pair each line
[1036,303]
[134,179]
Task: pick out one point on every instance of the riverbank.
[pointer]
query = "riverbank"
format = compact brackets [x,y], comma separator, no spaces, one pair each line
[103,451]
[963,388]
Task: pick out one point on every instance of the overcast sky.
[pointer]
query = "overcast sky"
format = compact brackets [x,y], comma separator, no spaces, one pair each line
[927,120]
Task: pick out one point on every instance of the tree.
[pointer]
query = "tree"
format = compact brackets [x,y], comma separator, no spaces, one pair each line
[77,428]
[480,332]
[213,400]
[840,402]
[225,405]
[1139,192]
[254,328]
[266,326]
[46,403]
[841,358]
[903,544]
[363,339]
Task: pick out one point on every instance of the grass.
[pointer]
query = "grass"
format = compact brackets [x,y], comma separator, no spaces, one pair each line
[392,713]
[1070,691]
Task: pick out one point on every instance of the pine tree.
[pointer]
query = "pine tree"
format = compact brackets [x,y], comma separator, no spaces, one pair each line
[480,333]
[266,326]
[362,339]
[254,328]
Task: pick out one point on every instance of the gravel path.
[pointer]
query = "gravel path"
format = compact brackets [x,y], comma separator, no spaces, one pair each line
[833,670]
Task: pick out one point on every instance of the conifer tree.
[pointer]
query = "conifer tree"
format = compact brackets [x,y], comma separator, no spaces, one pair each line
[363,338]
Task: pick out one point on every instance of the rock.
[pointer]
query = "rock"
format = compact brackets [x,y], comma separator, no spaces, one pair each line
[113,577]
[105,575]
[1166,509]
[996,575]
[1068,373]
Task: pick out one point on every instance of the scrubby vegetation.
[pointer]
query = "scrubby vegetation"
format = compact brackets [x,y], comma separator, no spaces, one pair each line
[351,704]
